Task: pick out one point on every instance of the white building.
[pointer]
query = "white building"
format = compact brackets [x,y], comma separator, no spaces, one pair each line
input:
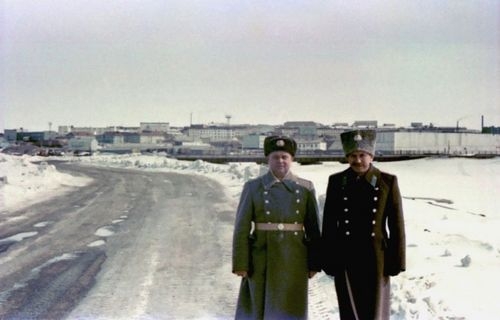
[211,133]
[453,143]
[253,141]
[83,143]
[305,146]
[372,124]
[155,126]
[152,138]
[63,130]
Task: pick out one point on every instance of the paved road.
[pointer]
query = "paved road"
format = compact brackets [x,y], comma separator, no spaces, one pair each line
[132,244]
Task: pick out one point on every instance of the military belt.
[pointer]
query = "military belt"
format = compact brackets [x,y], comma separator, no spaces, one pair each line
[279,226]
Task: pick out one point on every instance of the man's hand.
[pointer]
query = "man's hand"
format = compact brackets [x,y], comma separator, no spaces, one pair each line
[243,274]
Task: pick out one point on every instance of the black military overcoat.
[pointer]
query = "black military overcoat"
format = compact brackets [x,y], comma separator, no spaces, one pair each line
[363,240]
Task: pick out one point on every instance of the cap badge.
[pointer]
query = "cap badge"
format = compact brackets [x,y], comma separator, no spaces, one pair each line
[280,143]
[358,137]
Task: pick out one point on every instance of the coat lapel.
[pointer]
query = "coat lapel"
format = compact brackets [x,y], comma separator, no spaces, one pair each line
[289,181]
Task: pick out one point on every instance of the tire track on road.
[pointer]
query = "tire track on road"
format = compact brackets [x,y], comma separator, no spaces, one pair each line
[53,288]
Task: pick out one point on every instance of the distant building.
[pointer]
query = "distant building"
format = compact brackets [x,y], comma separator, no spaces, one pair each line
[111,138]
[491,130]
[372,124]
[253,142]
[117,138]
[32,136]
[287,131]
[156,137]
[309,146]
[335,147]
[195,148]
[388,126]
[128,129]
[39,138]
[211,133]
[329,134]
[340,125]
[10,135]
[63,130]
[83,144]
[155,126]
[449,143]
[303,129]
[259,129]
[87,130]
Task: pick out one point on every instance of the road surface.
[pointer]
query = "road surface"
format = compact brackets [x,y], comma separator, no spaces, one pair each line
[130,245]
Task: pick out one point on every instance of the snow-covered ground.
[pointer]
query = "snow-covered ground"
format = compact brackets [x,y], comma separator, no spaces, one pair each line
[23,183]
[451,211]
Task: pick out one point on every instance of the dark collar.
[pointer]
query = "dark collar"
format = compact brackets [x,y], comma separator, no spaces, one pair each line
[372,176]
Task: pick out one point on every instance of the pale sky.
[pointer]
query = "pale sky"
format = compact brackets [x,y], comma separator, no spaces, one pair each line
[102,63]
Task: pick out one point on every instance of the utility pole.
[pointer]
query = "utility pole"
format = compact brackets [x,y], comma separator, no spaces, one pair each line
[228,142]
[50,134]
[228,117]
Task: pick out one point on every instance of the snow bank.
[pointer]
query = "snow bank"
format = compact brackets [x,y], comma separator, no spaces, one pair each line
[23,183]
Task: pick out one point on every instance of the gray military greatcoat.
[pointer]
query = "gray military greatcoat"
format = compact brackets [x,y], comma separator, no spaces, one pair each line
[278,262]
[363,241]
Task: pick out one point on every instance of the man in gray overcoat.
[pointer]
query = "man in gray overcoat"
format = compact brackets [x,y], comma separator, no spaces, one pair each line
[363,240]
[276,242]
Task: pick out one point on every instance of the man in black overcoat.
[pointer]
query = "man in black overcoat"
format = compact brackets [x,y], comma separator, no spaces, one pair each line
[363,240]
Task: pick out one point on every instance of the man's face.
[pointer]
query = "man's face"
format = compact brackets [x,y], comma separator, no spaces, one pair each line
[360,161]
[279,163]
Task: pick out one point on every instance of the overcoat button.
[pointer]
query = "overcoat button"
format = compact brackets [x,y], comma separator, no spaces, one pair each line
[347,221]
[374,210]
[373,234]
[347,233]
[268,212]
[373,222]
[345,198]
[346,209]
[375,198]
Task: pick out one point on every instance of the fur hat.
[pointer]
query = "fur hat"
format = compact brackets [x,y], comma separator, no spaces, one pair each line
[358,140]
[279,143]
